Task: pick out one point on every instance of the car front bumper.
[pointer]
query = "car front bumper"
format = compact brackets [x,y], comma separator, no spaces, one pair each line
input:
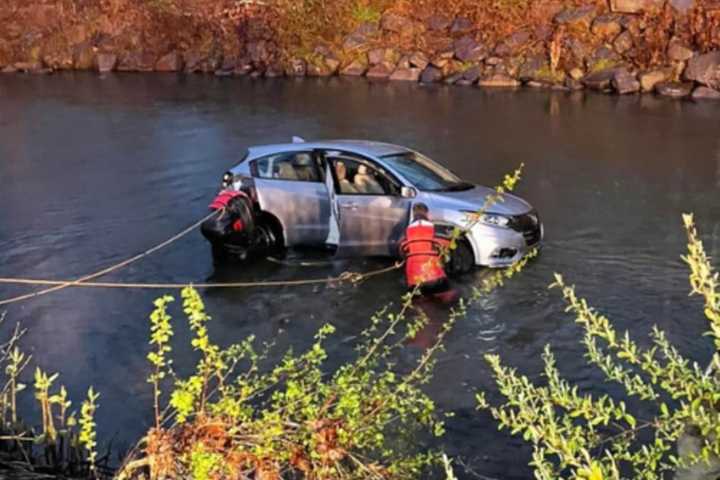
[496,247]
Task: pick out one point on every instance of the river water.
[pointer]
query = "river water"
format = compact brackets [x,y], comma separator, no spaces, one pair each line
[95,169]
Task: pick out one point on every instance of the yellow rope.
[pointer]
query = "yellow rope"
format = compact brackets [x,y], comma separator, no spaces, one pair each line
[112,268]
[55,285]
[352,277]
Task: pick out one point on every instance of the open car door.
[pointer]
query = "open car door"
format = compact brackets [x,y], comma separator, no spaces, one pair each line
[365,200]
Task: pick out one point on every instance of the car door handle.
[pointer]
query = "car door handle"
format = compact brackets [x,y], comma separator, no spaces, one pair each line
[350,205]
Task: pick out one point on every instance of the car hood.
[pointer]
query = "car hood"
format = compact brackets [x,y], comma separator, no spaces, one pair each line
[473,199]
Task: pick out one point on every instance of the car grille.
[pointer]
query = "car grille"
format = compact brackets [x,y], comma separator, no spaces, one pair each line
[529,225]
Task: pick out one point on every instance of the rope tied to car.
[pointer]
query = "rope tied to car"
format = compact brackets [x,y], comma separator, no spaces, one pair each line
[85,281]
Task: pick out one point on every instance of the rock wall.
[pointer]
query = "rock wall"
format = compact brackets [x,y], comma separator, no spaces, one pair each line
[625,46]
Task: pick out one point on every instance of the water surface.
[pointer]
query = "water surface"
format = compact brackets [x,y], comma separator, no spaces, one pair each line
[95,169]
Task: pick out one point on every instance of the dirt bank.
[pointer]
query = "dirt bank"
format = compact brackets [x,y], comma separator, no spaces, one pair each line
[624,46]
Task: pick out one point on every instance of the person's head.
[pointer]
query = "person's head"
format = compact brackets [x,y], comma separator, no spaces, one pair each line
[362,170]
[420,211]
[340,170]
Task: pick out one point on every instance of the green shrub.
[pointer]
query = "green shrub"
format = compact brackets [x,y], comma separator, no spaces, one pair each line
[578,435]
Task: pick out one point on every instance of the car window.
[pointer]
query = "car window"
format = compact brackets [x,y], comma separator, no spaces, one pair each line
[300,166]
[423,173]
[358,177]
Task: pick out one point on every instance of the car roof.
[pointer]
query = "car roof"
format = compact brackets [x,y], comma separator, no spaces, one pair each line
[361,147]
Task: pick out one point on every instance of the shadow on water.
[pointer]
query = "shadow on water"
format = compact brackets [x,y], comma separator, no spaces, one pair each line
[93,169]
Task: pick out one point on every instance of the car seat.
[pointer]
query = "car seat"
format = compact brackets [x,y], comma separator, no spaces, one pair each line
[304,167]
[366,183]
[287,172]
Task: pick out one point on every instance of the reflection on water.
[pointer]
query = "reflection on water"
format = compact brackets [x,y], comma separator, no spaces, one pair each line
[94,169]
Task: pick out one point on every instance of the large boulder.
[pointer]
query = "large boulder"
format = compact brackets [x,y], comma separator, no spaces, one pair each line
[171,62]
[600,80]
[580,17]
[471,75]
[634,6]
[355,41]
[498,81]
[679,53]
[406,74]
[705,93]
[623,42]
[624,82]
[393,22]
[383,55]
[705,69]
[461,26]
[360,38]
[434,43]
[380,71]
[419,59]
[333,63]
[106,62]
[453,78]
[431,75]
[356,68]
[468,50]
[648,80]
[674,89]
[442,59]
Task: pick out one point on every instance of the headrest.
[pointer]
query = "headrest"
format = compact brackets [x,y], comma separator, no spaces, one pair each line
[303,160]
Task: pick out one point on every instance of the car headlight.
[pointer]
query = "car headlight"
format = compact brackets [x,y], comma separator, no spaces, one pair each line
[492,219]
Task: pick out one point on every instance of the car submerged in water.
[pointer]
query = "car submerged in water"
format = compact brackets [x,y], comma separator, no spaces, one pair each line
[357,196]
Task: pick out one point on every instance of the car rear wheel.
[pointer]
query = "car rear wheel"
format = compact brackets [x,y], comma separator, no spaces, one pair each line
[462,259]
[269,235]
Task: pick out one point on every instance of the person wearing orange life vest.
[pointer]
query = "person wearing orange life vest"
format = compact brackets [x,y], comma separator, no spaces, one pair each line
[421,249]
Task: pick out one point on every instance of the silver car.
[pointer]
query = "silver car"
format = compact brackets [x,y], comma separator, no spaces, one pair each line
[356,195]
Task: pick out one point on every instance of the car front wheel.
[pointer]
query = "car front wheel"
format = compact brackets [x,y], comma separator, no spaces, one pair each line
[462,259]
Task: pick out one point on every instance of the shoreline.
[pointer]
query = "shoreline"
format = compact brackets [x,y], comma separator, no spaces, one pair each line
[624,47]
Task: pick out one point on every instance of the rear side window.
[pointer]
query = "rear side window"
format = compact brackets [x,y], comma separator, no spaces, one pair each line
[297,166]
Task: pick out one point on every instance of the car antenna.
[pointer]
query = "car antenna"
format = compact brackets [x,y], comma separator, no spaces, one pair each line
[298,140]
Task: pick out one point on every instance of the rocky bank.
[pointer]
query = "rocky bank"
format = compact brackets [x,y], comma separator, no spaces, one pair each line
[623,47]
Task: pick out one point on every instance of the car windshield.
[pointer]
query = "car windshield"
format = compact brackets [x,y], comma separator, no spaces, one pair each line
[425,174]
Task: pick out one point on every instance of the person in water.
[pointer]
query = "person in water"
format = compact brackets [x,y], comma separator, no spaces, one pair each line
[232,230]
[421,248]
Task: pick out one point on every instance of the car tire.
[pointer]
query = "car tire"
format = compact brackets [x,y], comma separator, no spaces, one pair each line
[462,259]
[269,235]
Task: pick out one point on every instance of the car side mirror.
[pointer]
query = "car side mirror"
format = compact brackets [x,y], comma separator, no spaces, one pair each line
[408,192]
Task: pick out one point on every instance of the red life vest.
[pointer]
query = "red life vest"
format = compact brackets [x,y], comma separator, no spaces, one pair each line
[420,247]
[222,198]
[221,201]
